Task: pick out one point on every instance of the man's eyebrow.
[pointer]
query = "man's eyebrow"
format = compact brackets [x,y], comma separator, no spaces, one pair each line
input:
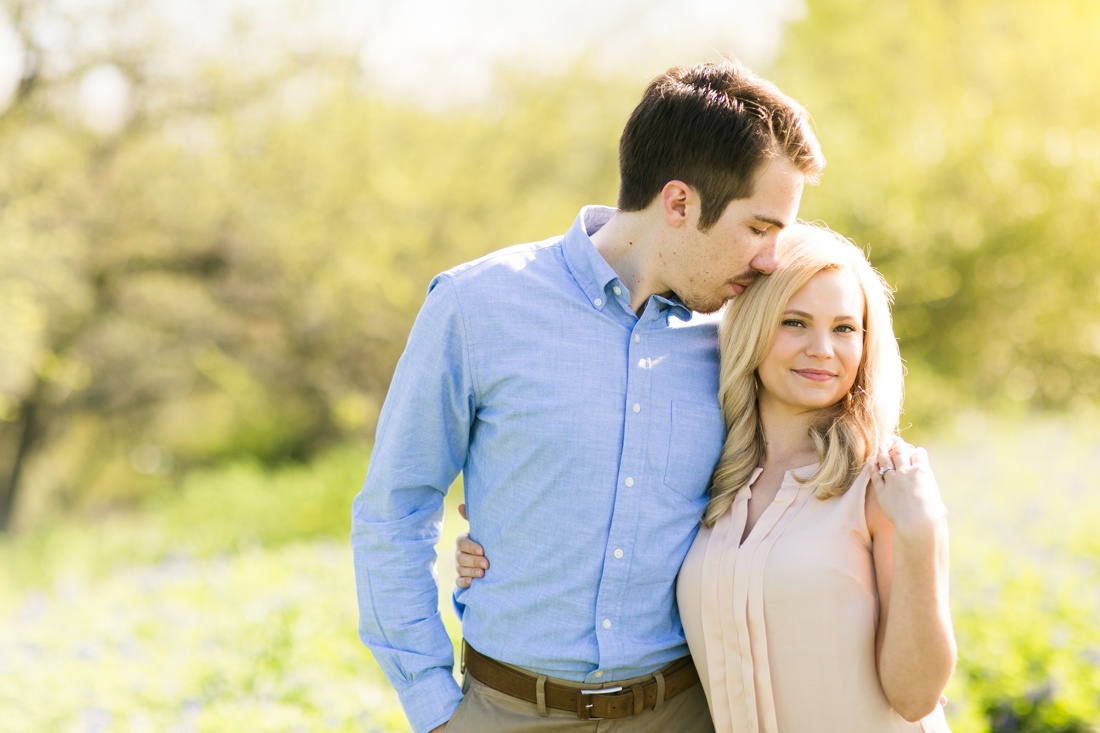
[768,220]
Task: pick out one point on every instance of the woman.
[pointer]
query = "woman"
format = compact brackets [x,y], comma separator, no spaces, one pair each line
[815,595]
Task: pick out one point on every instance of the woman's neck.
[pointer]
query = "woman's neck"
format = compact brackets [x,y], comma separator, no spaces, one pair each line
[787,438]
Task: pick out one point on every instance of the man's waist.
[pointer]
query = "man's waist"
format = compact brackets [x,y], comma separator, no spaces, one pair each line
[580,661]
[602,700]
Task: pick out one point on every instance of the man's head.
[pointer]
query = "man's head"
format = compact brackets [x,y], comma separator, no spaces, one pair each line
[713,127]
[723,155]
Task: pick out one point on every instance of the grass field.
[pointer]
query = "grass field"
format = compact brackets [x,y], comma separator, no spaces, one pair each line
[230,605]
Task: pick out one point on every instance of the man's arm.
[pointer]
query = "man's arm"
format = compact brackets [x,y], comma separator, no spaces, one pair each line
[420,447]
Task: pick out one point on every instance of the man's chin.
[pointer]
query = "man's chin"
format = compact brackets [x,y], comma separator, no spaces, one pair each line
[714,303]
[706,307]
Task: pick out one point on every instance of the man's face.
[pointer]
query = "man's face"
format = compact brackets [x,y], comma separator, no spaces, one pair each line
[705,269]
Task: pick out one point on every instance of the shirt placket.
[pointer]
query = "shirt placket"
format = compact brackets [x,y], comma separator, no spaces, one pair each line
[633,481]
[752,563]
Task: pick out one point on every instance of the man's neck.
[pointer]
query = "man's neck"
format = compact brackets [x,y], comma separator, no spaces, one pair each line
[629,244]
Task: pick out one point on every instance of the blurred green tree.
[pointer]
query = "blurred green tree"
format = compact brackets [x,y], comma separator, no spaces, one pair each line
[115,246]
[964,151]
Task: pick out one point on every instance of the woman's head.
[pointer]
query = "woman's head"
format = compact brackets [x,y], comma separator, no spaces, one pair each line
[824,276]
[753,321]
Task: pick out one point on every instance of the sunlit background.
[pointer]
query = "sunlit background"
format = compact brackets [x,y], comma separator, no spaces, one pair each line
[218,220]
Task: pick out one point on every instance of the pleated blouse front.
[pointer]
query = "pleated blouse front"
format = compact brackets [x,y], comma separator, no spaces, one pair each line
[782,626]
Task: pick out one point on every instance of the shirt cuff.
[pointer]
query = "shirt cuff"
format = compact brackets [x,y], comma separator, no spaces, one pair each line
[431,700]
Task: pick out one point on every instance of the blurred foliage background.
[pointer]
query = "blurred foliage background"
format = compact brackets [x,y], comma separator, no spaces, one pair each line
[209,263]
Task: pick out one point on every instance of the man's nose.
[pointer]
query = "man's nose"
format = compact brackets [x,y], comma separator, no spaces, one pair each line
[767,259]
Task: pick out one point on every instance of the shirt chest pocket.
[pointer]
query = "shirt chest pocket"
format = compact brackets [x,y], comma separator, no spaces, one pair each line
[695,438]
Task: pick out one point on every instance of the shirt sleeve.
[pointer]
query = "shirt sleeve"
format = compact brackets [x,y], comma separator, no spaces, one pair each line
[420,447]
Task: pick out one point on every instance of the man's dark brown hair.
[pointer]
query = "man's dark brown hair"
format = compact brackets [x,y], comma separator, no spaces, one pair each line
[711,126]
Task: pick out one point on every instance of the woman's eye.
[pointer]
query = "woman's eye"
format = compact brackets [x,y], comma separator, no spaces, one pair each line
[846,329]
[792,322]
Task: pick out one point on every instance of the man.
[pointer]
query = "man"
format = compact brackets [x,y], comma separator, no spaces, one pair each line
[570,384]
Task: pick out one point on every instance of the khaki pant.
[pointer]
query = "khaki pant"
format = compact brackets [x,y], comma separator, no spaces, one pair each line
[485,710]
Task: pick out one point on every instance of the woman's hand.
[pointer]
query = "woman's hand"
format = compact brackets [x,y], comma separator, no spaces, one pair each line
[470,560]
[906,489]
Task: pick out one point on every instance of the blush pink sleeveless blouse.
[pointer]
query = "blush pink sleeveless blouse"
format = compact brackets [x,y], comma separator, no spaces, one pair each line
[782,627]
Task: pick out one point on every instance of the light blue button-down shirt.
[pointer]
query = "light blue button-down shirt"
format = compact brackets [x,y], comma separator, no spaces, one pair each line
[586,436]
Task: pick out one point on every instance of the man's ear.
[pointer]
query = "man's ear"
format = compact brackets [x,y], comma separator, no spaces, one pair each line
[679,203]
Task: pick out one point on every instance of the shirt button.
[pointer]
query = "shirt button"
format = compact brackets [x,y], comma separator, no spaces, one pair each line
[629,481]
[637,407]
[637,338]
[598,673]
[617,290]
[618,554]
[597,302]
[607,623]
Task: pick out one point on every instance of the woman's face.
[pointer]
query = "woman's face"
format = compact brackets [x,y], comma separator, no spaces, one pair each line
[818,347]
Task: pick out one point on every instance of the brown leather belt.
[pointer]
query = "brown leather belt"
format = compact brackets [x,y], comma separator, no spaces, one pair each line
[611,702]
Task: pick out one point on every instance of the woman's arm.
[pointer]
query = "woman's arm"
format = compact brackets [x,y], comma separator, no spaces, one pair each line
[908,523]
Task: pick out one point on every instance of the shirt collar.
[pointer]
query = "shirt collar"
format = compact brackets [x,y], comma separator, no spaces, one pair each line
[591,270]
[586,264]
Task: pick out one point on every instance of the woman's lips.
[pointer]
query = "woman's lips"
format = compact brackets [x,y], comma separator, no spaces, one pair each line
[817,375]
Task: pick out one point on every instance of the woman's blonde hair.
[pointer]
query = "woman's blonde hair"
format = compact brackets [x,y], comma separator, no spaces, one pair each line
[845,434]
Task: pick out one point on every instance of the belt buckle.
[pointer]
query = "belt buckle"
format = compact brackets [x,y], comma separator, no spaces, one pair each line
[588,706]
[604,691]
